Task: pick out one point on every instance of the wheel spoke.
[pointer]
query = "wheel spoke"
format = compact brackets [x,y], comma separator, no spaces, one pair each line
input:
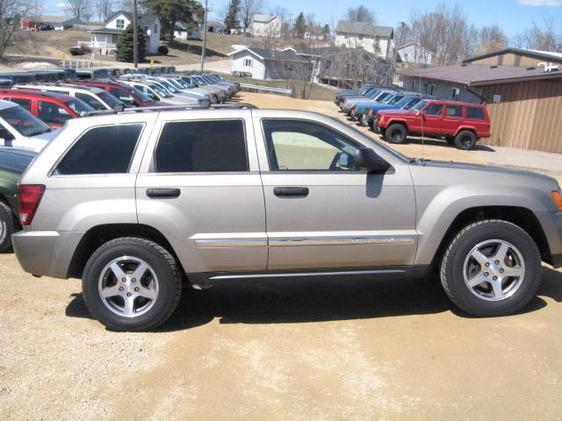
[139,271]
[117,271]
[497,288]
[513,271]
[111,292]
[501,254]
[146,292]
[479,257]
[477,280]
[129,308]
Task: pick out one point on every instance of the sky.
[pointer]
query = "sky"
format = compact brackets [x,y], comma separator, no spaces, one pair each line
[512,15]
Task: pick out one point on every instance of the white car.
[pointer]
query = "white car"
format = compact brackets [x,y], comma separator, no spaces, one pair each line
[96,98]
[21,129]
[159,93]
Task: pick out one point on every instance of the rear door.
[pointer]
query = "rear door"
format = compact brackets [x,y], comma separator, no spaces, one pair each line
[201,188]
[452,119]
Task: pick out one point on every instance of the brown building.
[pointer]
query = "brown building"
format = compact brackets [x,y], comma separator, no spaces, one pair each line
[517,57]
[525,103]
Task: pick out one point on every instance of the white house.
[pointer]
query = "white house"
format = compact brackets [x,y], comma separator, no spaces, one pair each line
[266,26]
[372,38]
[413,53]
[264,64]
[105,39]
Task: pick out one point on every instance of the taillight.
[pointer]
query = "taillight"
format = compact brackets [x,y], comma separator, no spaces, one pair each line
[29,198]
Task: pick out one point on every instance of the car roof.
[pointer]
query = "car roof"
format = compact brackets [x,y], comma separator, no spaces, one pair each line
[4,105]
[20,92]
[449,102]
[61,86]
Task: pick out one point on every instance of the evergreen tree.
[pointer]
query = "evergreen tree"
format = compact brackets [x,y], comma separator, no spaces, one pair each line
[125,45]
[326,30]
[171,12]
[300,26]
[231,21]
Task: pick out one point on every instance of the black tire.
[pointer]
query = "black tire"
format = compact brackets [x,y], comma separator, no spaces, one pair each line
[161,262]
[396,133]
[8,226]
[450,140]
[452,266]
[465,140]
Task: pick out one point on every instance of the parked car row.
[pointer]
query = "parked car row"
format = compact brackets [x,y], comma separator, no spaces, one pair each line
[37,108]
[397,114]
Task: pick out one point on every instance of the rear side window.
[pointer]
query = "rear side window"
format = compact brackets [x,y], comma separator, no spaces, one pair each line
[454,111]
[476,113]
[102,150]
[202,146]
[434,109]
[25,103]
[52,113]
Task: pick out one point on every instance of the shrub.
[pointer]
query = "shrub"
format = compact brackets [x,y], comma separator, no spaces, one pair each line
[163,50]
[126,42]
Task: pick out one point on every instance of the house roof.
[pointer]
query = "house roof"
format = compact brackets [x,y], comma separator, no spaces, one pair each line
[146,19]
[288,54]
[264,18]
[364,28]
[541,55]
[481,74]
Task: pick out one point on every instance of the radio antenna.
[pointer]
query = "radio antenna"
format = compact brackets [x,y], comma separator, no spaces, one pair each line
[421,116]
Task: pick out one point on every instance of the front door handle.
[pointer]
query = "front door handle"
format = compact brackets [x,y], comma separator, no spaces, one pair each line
[290,191]
[163,193]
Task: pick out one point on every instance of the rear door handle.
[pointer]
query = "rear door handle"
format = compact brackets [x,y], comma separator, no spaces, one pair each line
[163,193]
[290,191]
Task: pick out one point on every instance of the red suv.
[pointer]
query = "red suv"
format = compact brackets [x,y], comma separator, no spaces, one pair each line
[461,124]
[54,109]
[130,96]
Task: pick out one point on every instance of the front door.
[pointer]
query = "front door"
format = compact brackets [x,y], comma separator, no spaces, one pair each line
[321,212]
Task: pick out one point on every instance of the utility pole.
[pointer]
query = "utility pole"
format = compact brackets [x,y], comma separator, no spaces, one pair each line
[135,36]
[204,51]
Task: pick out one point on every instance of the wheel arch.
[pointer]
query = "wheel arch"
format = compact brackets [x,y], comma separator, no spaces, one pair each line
[101,234]
[466,128]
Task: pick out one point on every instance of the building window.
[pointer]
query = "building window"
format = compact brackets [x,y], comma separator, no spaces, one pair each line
[413,86]
[455,92]
[430,89]
[120,24]
[155,28]
[248,62]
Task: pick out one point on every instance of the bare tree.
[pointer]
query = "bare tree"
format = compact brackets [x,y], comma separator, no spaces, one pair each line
[544,37]
[360,14]
[446,33]
[10,15]
[491,38]
[104,8]
[248,9]
[80,9]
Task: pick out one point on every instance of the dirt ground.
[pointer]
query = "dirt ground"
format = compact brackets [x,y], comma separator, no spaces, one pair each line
[282,350]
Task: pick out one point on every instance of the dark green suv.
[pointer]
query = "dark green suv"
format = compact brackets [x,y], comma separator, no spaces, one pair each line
[13,163]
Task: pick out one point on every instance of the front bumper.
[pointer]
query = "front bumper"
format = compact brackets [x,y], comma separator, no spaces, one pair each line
[46,253]
[551,223]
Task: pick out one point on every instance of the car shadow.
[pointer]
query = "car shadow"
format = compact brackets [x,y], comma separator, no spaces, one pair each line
[282,301]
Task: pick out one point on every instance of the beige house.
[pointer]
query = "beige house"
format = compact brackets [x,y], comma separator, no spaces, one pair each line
[372,38]
[266,26]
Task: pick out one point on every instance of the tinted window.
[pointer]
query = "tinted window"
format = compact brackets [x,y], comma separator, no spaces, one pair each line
[102,150]
[454,111]
[202,146]
[15,161]
[475,112]
[122,94]
[91,101]
[52,113]
[306,146]
[434,109]
[25,103]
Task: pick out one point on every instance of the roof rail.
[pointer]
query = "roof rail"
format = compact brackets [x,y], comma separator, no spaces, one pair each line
[235,106]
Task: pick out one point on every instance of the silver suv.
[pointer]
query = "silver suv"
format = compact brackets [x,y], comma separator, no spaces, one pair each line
[139,202]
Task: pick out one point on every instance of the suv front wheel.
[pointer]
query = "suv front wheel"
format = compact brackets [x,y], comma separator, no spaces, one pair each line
[491,268]
[131,284]
[396,133]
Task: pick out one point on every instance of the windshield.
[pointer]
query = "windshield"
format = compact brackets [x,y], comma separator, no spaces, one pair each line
[207,79]
[381,144]
[140,94]
[175,83]
[403,101]
[381,96]
[160,90]
[412,102]
[24,122]
[109,99]
[419,106]
[79,107]
[396,99]
[200,80]
[373,93]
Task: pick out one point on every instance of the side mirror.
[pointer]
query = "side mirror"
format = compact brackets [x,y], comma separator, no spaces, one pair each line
[367,158]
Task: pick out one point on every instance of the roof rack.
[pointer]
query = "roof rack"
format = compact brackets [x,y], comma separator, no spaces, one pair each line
[236,106]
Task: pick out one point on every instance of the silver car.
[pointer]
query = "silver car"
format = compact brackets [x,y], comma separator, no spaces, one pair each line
[138,204]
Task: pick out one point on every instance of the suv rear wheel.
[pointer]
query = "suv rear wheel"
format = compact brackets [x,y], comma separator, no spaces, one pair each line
[131,284]
[7,227]
[395,133]
[491,268]
[465,140]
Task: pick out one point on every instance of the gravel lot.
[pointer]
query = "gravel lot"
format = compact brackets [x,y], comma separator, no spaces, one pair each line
[315,350]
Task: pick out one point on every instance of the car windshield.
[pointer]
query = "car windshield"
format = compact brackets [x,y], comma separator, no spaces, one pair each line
[405,100]
[79,107]
[167,85]
[176,84]
[419,106]
[15,161]
[373,93]
[200,80]
[396,99]
[24,122]
[140,94]
[160,90]
[381,96]
[109,99]
[411,103]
